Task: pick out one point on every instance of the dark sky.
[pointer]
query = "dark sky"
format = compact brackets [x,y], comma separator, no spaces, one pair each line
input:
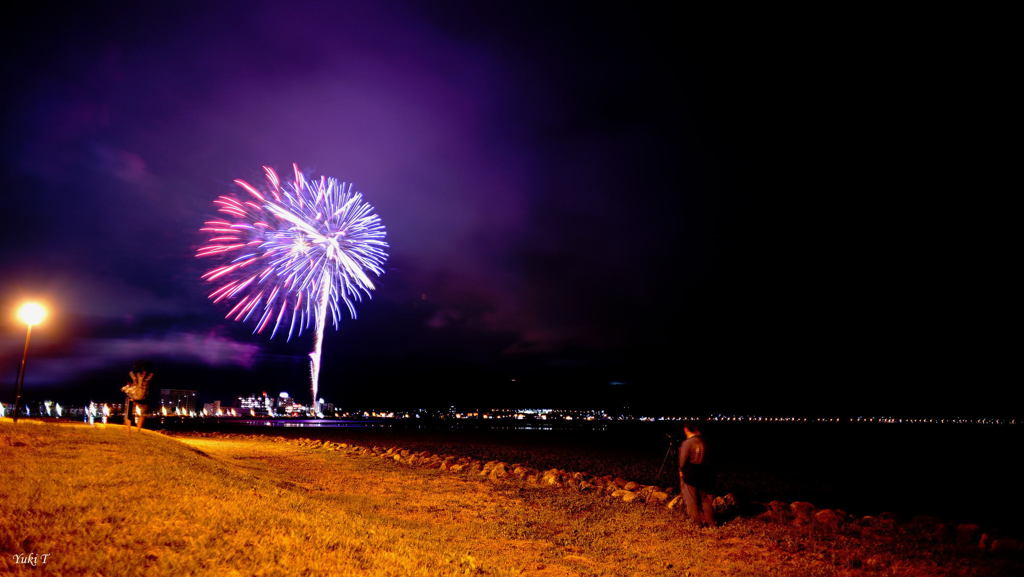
[765,212]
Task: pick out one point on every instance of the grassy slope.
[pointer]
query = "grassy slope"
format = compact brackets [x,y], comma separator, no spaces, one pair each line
[102,501]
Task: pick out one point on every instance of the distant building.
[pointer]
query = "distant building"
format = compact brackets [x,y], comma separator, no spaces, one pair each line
[212,408]
[178,400]
[285,404]
[257,405]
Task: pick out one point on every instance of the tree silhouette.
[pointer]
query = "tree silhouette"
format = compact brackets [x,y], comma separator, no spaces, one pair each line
[136,390]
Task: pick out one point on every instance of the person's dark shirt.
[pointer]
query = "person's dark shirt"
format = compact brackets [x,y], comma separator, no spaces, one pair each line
[692,451]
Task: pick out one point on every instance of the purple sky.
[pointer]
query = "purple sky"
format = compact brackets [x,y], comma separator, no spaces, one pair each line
[678,203]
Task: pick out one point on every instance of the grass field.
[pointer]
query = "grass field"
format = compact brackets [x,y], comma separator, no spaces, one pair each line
[102,501]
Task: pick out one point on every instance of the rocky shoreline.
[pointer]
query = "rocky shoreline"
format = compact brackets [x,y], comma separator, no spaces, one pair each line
[799,514]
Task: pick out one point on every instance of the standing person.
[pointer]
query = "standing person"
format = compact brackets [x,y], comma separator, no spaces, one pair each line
[695,477]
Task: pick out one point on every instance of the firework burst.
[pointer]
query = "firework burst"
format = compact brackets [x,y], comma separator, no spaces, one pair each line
[291,252]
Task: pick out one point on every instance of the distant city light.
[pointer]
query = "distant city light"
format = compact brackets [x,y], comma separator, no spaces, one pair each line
[282,411]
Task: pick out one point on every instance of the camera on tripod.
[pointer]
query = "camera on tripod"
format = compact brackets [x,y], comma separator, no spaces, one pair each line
[674,440]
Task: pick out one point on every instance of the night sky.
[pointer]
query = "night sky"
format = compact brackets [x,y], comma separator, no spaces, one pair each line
[682,212]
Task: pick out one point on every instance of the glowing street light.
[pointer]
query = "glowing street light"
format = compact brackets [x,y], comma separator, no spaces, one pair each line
[31,314]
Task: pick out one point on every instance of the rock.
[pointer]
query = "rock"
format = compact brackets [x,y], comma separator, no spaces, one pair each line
[942,533]
[498,471]
[802,510]
[725,504]
[931,528]
[551,477]
[967,533]
[718,504]
[777,512]
[631,486]
[618,493]
[675,503]
[657,497]
[875,525]
[629,496]
[619,482]
[887,520]
[828,519]
[866,524]
[984,542]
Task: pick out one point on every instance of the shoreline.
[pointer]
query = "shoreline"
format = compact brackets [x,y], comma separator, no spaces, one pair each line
[637,451]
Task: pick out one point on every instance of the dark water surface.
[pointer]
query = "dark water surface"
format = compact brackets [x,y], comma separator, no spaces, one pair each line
[958,472]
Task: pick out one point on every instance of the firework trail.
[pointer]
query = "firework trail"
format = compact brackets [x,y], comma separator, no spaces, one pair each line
[290,252]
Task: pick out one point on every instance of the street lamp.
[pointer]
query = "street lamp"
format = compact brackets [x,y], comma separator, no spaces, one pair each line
[30,314]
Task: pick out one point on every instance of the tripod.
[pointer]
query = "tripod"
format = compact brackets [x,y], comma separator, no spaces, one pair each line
[668,451]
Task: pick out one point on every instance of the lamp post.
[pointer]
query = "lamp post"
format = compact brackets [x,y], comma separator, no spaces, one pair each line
[30,314]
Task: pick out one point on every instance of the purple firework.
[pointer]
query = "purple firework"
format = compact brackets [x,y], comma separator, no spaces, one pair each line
[291,252]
